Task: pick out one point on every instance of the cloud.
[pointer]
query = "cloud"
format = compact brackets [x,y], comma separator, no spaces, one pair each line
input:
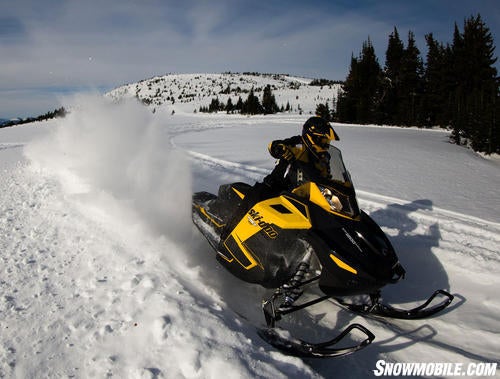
[103,44]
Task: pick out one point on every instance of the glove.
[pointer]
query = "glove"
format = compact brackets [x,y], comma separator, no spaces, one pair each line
[285,153]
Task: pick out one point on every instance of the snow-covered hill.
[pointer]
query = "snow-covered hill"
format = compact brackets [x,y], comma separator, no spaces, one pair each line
[186,93]
[102,273]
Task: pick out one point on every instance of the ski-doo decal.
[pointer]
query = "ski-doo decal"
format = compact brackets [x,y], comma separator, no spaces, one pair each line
[283,213]
[256,219]
[285,216]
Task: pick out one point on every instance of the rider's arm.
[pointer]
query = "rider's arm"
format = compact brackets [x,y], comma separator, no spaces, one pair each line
[276,179]
[281,149]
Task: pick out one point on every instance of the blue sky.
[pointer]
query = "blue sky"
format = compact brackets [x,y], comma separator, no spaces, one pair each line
[49,48]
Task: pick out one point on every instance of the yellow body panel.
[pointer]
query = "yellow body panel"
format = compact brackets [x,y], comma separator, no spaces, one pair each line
[311,191]
[259,218]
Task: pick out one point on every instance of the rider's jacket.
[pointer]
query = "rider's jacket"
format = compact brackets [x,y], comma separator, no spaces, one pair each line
[278,179]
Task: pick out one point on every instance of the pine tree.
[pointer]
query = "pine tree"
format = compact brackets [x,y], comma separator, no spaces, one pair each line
[392,85]
[476,95]
[229,106]
[346,102]
[411,84]
[268,101]
[458,72]
[362,90]
[252,104]
[239,105]
[434,104]
[371,74]
[323,111]
[215,105]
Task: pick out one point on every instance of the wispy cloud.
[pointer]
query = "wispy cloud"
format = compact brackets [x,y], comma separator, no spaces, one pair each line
[78,44]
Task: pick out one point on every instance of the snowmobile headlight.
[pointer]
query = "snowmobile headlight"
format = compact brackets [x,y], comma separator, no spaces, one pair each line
[333,200]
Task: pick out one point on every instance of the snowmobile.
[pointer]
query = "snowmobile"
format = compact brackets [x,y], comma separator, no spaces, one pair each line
[311,239]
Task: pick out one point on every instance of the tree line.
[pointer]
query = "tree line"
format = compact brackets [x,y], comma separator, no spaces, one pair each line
[60,112]
[457,87]
[252,104]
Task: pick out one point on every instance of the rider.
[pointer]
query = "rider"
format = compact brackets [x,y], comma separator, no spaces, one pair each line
[310,148]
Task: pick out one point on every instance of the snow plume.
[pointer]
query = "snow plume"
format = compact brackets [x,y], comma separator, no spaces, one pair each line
[118,159]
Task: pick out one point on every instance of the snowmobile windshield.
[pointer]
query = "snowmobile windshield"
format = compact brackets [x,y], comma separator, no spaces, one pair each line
[338,171]
[336,187]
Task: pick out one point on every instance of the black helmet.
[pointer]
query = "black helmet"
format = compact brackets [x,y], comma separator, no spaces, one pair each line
[317,133]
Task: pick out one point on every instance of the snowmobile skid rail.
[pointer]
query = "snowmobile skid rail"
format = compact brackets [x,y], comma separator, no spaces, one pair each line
[282,339]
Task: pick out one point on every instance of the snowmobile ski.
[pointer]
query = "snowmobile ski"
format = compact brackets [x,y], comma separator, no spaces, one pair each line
[283,341]
[274,308]
[375,307]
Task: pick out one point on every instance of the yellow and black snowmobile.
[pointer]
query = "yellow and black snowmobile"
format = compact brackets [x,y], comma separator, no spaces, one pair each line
[312,235]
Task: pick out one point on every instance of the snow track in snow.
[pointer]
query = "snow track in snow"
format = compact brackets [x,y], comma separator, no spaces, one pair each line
[12,145]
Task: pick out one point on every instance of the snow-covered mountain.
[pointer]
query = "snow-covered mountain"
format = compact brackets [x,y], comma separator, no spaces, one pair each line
[103,274]
[188,92]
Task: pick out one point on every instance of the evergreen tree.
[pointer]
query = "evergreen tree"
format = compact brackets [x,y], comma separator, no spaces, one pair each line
[411,84]
[434,104]
[475,107]
[458,72]
[252,104]
[239,105]
[371,74]
[392,85]
[360,99]
[346,102]
[268,101]
[459,86]
[323,111]
[215,105]
[229,106]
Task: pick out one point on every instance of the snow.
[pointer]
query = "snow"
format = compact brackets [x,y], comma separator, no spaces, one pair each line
[103,273]
[186,93]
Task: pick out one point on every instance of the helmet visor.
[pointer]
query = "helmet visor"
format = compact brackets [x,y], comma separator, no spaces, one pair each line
[321,141]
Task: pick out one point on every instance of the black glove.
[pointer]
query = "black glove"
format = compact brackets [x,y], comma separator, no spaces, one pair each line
[286,153]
